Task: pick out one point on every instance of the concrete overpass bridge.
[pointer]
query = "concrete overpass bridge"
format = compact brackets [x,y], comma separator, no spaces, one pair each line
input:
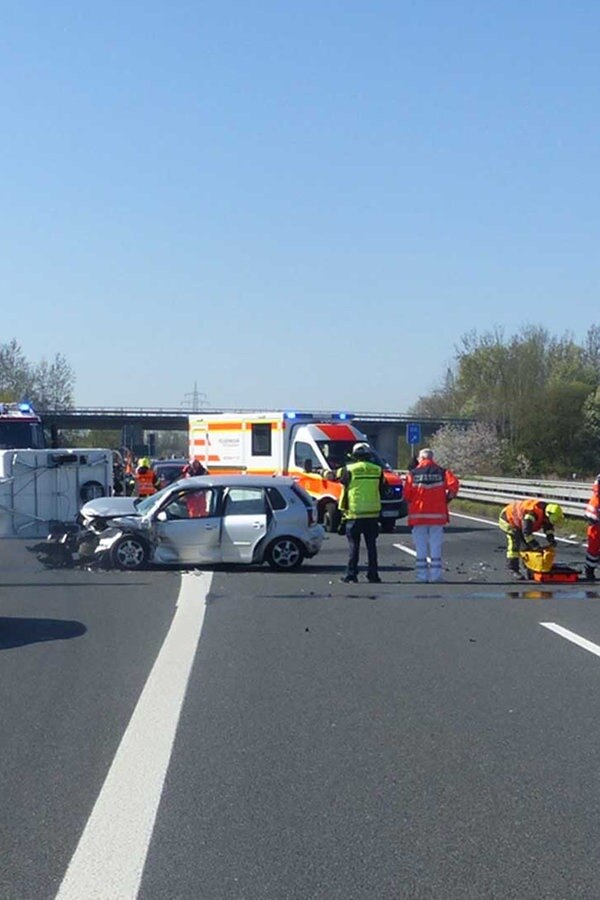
[387,431]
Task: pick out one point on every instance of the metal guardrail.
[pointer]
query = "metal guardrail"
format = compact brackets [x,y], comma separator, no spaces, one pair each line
[571,495]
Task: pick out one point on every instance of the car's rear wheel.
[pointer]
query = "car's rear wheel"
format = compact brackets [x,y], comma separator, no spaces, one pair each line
[129,552]
[285,554]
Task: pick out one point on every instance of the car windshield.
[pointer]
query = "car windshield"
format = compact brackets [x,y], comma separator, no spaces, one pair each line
[145,504]
[339,453]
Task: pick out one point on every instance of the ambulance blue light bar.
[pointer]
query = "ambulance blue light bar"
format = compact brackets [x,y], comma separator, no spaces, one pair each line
[339,416]
[291,414]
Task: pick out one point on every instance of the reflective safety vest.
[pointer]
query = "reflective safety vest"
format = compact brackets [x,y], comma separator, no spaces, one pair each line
[427,490]
[361,497]
[592,510]
[145,483]
[528,516]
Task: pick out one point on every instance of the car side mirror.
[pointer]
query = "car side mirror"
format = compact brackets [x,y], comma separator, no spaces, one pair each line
[162,516]
[308,466]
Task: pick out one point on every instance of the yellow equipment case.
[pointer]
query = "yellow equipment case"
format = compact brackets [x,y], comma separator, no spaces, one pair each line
[540,566]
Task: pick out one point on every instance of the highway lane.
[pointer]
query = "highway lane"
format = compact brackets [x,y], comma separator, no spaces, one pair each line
[336,741]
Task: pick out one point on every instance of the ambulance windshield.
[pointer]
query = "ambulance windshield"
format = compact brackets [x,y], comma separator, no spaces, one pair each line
[339,453]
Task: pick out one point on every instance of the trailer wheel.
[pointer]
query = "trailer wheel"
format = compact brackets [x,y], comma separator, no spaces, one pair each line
[285,554]
[331,517]
[129,552]
[91,490]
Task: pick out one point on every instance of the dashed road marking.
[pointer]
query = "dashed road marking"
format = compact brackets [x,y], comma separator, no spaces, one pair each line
[573,637]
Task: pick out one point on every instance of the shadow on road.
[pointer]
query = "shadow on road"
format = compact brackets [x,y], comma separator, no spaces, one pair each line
[15,632]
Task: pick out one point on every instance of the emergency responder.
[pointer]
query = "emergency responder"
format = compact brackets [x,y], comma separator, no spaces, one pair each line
[146,479]
[428,489]
[592,515]
[193,468]
[360,505]
[520,521]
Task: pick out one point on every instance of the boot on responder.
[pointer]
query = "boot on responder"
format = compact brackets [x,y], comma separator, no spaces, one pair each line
[520,521]
[592,516]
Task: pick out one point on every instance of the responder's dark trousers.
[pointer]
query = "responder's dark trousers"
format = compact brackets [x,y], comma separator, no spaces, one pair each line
[369,528]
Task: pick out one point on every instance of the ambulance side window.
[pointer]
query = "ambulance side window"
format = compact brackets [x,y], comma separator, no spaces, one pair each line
[302,452]
[261,439]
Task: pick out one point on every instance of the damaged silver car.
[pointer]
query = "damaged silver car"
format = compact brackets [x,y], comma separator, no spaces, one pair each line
[246,519]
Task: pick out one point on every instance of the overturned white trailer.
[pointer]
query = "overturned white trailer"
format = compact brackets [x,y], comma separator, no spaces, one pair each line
[39,487]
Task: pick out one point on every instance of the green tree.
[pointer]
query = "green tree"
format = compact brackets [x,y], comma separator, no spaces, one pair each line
[537,391]
[16,373]
[53,384]
[47,385]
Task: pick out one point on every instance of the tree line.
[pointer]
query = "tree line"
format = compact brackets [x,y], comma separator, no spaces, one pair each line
[46,384]
[535,399]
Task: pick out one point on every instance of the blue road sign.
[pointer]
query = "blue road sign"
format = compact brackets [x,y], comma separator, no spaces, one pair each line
[413,433]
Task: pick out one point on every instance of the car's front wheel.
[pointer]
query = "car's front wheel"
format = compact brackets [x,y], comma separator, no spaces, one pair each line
[129,552]
[285,554]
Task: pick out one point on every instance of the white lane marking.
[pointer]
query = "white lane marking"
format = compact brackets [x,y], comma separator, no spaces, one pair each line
[492,523]
[109,860]
[571,636]
[405,549]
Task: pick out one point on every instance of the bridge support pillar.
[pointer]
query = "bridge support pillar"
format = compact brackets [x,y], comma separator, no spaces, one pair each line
[132,436]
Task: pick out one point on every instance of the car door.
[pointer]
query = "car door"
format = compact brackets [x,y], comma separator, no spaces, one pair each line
[186,528]
[245,522]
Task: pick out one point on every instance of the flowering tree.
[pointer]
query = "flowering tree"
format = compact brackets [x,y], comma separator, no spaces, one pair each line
[476,450]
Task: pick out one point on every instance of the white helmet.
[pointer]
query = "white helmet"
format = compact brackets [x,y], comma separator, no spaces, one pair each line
[360,449]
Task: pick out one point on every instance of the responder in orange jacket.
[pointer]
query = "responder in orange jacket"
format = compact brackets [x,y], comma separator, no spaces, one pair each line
[146,479]
[520,521]
[592,515]
[428,489]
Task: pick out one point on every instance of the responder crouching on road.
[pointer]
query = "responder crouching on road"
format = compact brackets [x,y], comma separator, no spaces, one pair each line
[360,505]
[592,515]
[520,521]
[146,480]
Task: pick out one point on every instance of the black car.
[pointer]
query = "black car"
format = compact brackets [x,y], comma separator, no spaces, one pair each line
[168,470]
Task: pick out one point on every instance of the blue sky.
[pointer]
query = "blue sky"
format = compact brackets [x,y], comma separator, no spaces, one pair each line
[298,204]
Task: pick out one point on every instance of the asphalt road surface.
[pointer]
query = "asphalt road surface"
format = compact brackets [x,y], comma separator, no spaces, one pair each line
[243,734]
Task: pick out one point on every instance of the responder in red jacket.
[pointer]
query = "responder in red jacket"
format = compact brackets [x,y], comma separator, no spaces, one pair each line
[428,489]
[592,515]
[520,521]
[194,467]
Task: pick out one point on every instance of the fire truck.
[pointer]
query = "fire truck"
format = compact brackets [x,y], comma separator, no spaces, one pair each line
[20,427]
[308,446]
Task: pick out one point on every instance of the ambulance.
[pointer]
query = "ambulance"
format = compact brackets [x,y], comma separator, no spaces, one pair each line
[308,446]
